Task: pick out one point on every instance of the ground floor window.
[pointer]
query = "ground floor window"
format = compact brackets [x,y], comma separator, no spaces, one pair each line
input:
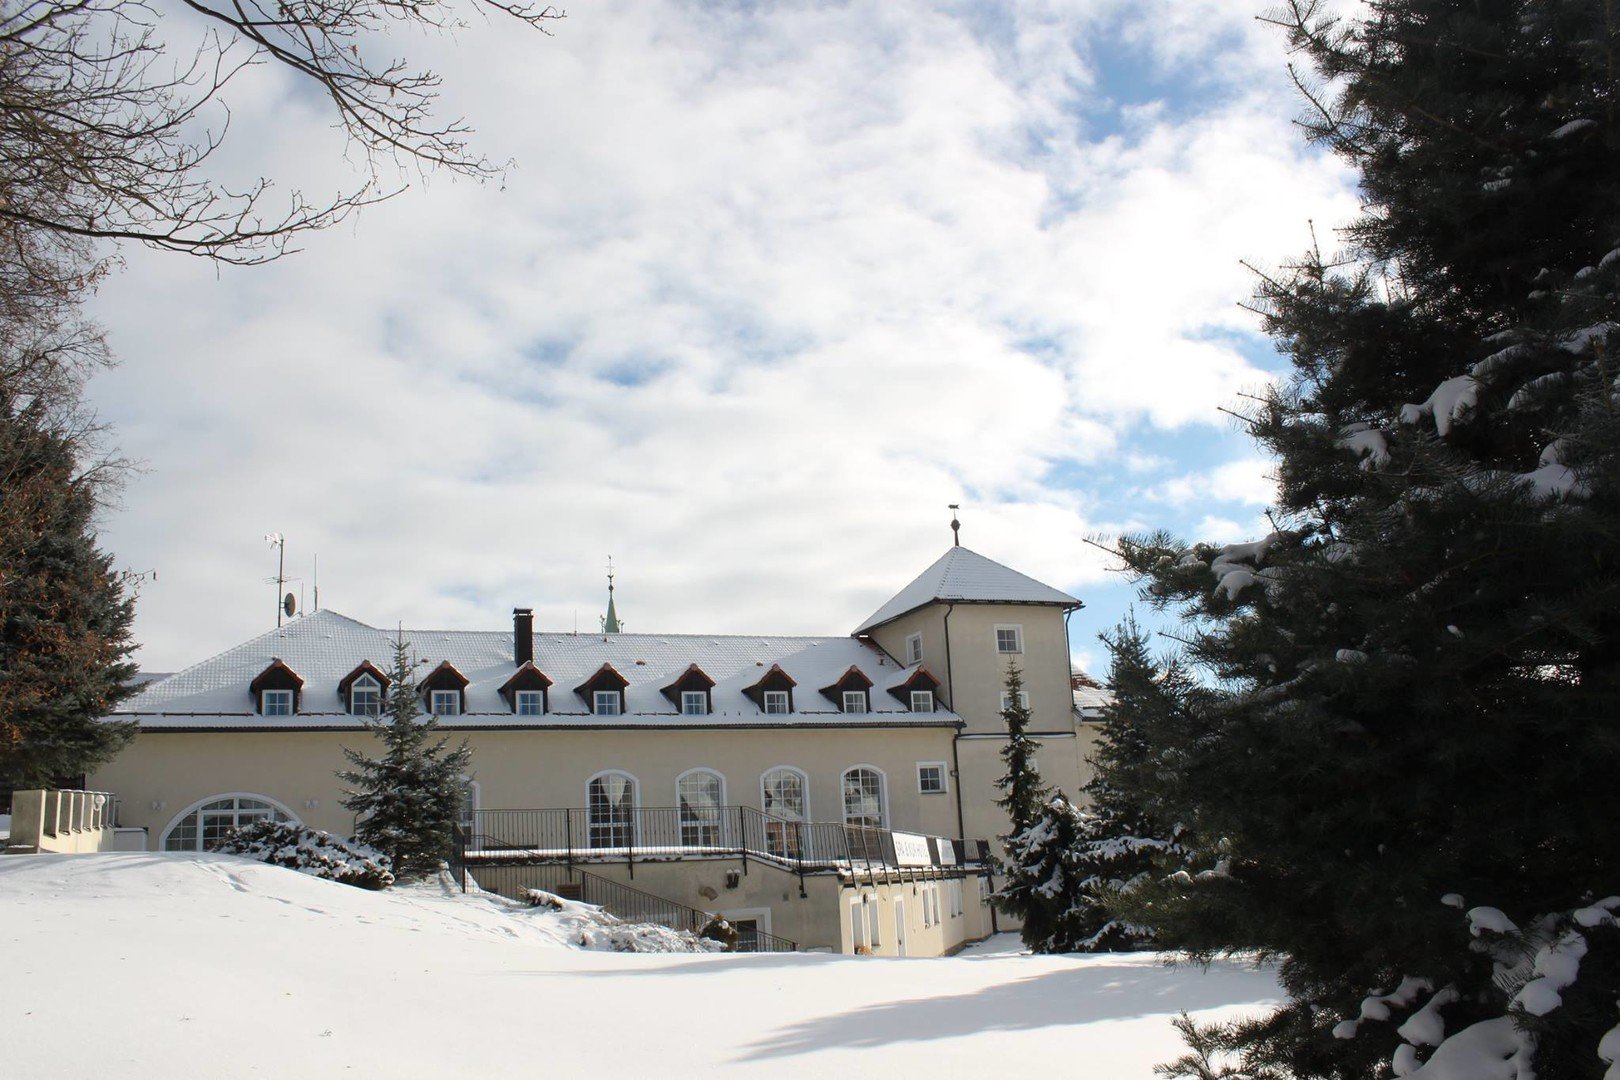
[610,801]
[206,824]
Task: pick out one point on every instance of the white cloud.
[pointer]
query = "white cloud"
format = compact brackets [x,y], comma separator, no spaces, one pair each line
[768,289]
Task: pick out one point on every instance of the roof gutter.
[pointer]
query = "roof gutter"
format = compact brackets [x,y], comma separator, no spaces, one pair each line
[956,739]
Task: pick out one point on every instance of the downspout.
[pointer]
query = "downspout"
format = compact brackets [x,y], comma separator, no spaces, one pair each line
[956,739]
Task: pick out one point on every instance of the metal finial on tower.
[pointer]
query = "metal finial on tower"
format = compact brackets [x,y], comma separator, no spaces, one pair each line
[956,526]
[610,621]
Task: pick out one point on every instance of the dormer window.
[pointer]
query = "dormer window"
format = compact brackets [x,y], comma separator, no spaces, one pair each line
[918,691]
[444,691]
[527,692]
[365,697]
[364,690]
[603,692]
[852,693]
[773,693]
[692,692]
[276,690]
[913,649]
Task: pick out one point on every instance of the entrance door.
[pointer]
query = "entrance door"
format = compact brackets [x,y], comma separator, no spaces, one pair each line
[900,928]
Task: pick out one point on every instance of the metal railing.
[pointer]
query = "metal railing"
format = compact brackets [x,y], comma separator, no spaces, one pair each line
[515,879]
[650,834]
[68,812]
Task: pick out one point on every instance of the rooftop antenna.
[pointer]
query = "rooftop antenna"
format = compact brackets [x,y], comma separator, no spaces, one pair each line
[956,526]
[317,576]
[279,542]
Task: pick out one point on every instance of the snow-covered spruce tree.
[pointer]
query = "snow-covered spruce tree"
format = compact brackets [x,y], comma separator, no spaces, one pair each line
[1420,668]
[1023,797]
[1121,844]
[64,612]
[1043,880]
[408,798]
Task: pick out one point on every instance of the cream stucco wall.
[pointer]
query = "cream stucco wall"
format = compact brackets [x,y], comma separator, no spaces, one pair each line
[161,774]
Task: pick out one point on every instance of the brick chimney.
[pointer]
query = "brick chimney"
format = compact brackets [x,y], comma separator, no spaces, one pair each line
[522,635]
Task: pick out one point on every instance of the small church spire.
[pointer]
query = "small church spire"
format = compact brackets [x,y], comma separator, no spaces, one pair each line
[956,526]
[610,621]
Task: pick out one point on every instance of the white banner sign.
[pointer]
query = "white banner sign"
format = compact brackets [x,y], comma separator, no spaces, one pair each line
[911,849]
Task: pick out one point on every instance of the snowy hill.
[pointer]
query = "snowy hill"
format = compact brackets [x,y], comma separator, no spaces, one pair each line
[163,965]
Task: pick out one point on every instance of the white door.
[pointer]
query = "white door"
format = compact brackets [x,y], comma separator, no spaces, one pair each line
[900,928]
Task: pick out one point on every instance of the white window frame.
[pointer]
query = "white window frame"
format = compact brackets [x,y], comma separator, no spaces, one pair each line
[591,824]
[1018,639]
[857,924]
[899,907]
[286,696]
[689,698]
[914,652]
[804,790]
[195,808]
[769,697]
[862,702]
[360,685]
[472,796]
[760,915]
[600,696]
[944,778]
[1006,699]
[927,699]
[719,823]
[436,697]
[519,697]
[874,936]
[883,794]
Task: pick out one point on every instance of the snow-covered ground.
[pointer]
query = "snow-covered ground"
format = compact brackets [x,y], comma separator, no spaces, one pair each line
[135,966]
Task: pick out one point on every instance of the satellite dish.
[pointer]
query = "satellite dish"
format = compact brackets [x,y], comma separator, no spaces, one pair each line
[289,604]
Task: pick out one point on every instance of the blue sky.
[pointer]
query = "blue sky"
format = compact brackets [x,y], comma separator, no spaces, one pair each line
[769,286]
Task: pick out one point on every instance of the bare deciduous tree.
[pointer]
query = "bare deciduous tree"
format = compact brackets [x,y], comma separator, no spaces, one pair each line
[106,131]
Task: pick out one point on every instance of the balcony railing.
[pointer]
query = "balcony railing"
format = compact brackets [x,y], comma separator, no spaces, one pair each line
[648,834]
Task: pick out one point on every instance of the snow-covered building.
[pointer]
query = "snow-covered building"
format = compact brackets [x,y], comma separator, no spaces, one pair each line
[828,790]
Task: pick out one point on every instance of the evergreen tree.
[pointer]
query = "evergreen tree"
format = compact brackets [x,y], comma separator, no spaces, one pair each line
[1044,879]
[1121,845]
[64,613]
[408,799]
[1023,794]
[1419,670]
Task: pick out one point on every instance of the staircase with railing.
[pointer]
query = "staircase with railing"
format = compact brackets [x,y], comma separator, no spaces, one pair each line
[515,880]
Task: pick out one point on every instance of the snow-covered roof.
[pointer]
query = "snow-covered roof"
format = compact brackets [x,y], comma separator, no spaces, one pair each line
[964,576]
[324,647]
[1089,700]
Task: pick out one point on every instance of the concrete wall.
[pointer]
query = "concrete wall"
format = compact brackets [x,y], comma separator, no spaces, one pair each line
[886,906]
[64,822]
[162,774]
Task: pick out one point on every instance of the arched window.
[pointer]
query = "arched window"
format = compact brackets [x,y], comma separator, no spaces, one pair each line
[205,824]
[700,794]
[610,802]
[863,797]
[784,798]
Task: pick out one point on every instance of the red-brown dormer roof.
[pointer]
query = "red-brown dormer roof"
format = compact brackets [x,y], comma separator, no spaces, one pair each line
[278,676]
[853,679]
[366,668]
[605,677]
[442,677]
[526,677]
[693,678]
[921,679]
